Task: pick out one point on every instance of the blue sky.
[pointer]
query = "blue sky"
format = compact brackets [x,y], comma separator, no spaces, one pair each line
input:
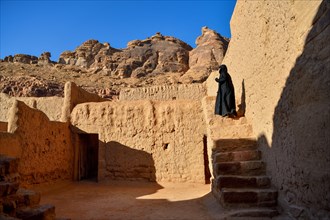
[33,27]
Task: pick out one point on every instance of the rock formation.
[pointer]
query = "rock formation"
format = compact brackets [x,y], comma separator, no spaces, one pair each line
[44,59]
[100,68]
[29,87]
[22,58]
[157,54]
[207,56]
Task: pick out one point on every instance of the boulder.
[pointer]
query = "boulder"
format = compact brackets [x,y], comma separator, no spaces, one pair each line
[44,59]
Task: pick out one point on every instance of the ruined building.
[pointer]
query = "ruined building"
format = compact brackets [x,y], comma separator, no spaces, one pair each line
[275,155]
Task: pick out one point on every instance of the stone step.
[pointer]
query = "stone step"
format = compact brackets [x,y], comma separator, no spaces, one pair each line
[8,188]
[244,155]
[243,168]
[27,197]
[230,145]
[4,216]
[22,198]
[13,177]
[232,197]
[231,132]
[217,120]
[232,181]
[254,212]
[8,165]
[41,212]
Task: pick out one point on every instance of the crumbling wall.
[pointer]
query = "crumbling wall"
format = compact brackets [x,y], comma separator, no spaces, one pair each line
[51,106]
[278,58]
[44,147]
[151,140]
[165,92]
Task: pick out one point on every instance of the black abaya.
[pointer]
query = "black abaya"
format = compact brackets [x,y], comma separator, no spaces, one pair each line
[225,101]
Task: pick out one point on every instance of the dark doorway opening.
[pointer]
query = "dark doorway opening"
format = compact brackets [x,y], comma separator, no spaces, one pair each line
[88,156]
[207,172]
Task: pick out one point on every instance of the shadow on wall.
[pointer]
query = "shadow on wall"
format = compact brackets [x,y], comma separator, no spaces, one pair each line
[125,163]
[242,107]
[299,157]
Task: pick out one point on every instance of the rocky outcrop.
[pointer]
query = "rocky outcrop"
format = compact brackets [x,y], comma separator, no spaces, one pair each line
[90,52]
[22,58]
[155,55]
[24,86]
[207,56]
[44,59]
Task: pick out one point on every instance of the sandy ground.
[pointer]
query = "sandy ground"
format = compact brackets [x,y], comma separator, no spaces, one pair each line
[131,200]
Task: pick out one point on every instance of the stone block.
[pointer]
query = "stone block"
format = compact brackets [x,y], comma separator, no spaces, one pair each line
[230,145]
[41,212]
[27,197]
[248,197]
[244,168]
[8,165]
[229,181]
[237,156]
[8,188]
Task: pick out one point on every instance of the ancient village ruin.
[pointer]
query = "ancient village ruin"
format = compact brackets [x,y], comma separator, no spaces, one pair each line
[275,155]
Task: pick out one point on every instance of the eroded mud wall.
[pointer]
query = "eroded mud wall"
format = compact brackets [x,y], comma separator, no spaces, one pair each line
[43,147]
[151,140]
[278,58]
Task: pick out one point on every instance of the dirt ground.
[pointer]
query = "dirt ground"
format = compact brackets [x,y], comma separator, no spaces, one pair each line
[114,200]
[131,200]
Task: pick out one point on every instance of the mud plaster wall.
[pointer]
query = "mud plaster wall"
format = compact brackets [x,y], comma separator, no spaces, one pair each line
[44,147]
[51,106]
[278,58]
[151,140]
[165,92]
[74,95]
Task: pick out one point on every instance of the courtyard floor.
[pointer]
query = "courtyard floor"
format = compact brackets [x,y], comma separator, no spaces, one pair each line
[131,200]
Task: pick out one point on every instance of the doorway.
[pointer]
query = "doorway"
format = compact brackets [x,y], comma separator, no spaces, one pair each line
[88,156]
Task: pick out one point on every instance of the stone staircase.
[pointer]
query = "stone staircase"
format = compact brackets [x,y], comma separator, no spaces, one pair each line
[17,203]
[239,183]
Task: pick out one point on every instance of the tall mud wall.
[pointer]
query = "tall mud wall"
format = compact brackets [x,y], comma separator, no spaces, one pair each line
[150,140]
[44,147]
[279,59]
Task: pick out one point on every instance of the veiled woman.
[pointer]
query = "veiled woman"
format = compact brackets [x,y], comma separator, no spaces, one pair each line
[225,102]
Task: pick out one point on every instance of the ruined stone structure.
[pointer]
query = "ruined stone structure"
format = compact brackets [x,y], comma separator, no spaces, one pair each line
[274,157]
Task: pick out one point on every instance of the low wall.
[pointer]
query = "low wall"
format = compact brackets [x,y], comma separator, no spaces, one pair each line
[44,147]
[166,92]
[152,140]
[51,106]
